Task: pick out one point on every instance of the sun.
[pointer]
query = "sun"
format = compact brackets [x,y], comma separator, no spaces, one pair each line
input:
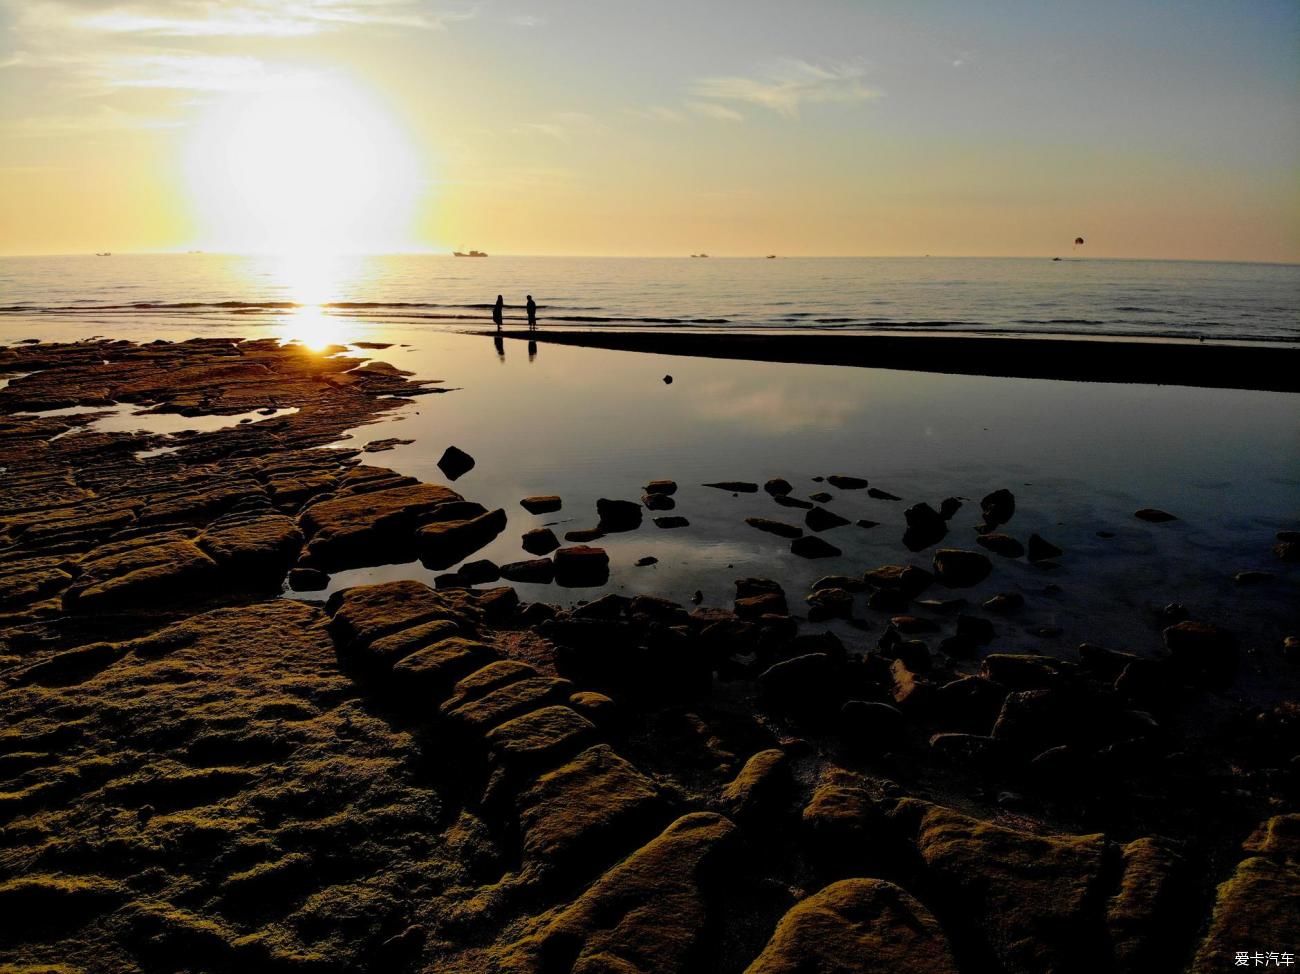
[312,170]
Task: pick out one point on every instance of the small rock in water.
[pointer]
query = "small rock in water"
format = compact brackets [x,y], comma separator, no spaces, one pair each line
[308,580]
[541,504]
[378,446]
[844,482]
[647,561]
[959,569]
[998,507]
[811,546]
[658,502]
[455,463]
[583,535]
[618,515]
[697,597]
[821,497]
[864,523]
[820,519]
[785,501]
[1175,612]
[882,495]
[925,526]
[668,380]
[1154,515]
[581,566]
[948,507]
[1039,549]
[672,521]
[483,570]
[661,487]
[1287,550]
[735,486]
[540,541]
[539,570]
[779,528]
[778,487]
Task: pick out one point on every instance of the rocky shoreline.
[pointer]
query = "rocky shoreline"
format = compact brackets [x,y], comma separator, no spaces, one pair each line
[201,775]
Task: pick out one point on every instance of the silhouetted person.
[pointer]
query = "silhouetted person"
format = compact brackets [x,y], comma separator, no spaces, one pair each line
[532,314]
[497,311]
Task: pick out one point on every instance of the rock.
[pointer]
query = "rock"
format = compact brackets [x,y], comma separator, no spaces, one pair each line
[974,628]
[1154,515]
[820,519]
[910,690]
[844,482]
[1040,550]
[365,528]
[949,507]
[796,502]
[1288,551]
[581,566]
[479,572]
[812,546]
[1255,909]
[925,526]
[537,570]
[761,792]
[1005,602]
[1027,896]
[864,926]
[864,523]
[540,541]
[1143,917]
[455,463]
[618,515]
[1253,577]
[668,380]
[1202,648]
[764,603]
[541,504]
[957,568]
[735,486]
[882,495]
[802,685]
[821,497]
[658,502]
[537,738]
[1021,672]
[745,587]
[911,625]
[498,603]
[139,572]
[308,580]
[583,535]
[449,580]
[443,543]
[908,579]
[779,528]
[871,727]
[838,820]
[847,582]
[829,603]
[587,811]
[998,507]
[1001,544]
[969,703]
[596,707]
[647,915]
[778,487]
[611,606]
[646,561]
[672,521]
[889,600]
[913,653]
[661,487]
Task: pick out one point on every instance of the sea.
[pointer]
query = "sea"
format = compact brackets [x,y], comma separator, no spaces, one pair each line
[126,294]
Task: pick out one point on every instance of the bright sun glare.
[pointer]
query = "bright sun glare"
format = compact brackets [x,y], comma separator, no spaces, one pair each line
[306,171]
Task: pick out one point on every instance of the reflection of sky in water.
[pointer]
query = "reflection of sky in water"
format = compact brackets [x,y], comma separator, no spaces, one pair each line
[588,423]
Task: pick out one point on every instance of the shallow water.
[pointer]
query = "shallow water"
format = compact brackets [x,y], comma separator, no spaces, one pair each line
[136,295]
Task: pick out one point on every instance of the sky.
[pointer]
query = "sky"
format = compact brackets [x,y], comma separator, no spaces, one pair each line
[841,127]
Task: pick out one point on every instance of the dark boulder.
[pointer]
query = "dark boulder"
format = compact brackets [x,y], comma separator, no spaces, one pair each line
[661,487]
[925,526]
[779,528]
[1001,544]
[844,482]
[812,546]
[538,570]
[959,569]
[778,487]
[882,495]
[455,463]
[998,507]
[786,501]
[672,521]
[658,502]
[735,486]
[1154,515]
[581,566]
[820,519]
[540,541]
[618,515]
[1039,549]
[541,504]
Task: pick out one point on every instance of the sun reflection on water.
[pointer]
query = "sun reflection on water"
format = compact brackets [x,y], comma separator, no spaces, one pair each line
[313,281]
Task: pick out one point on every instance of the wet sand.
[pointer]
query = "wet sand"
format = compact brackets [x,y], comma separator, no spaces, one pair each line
[1272,368]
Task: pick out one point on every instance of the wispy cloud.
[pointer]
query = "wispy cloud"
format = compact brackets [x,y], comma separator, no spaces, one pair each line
[242,18]
[525,20]
[790,85]
[558,125]
[711,109]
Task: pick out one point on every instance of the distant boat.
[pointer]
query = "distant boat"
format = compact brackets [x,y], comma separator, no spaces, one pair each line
[472,253]
[104,253]
[771,256]
[699,255]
